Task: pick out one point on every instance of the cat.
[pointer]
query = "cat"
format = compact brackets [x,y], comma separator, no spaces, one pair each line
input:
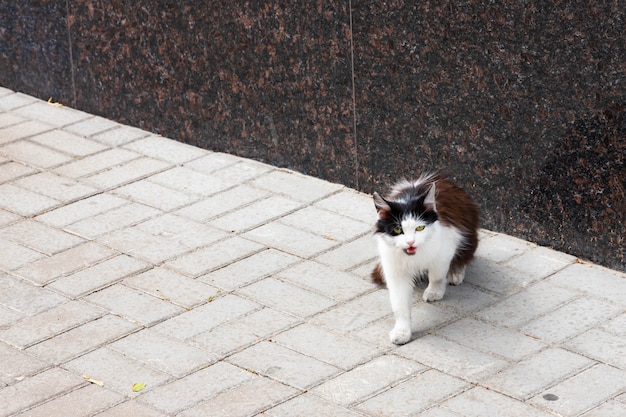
[428,226]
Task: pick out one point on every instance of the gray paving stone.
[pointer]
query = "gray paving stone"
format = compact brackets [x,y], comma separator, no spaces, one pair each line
[249,398]
[98,276]
[295,186]
[17,365]
[195,388]
[602,346]
[215,256]
[54,115]
[34,154]
[350,254]
[25,298]
[594,280]
[401,400]
[206,317]
[12,170]
[120,135]
[82,339]
[94,164]
[497,278]
[285,297]
[338,350]
[134,305]
[583,391]
[425,318]
[284,365]
[49,323]
[74,403]
[158,351]
[256,214]
[24,202]
[81,210]
[48,269]
[289,239]
[189,181]
[8,316]
[117,372]
[131,408]
[143,245]
[566,321]
[36,389]
[464,299]
[181,230]
[91,126]
[242,171]
[165,149]
[222,203]
[356,313]
[54,186]
[608,409]
[23,130]
[537,373]
[499,248]
[351,203]
[8,119]
[327,281]
[451,358]
[480,402]
[250,269]
[40,237]
[617,326]
[125,173]
[7,218]
[14,100]
[151,194]
[244,331]
[14,255]
[213,161]
[490,339]
[525,306]
[368,379]
[117,218]
[171,286]
[326,223]
[68,143]
[540,262]
[303,404]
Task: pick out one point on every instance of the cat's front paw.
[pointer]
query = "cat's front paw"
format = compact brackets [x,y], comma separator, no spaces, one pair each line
[400,335]
[432,294]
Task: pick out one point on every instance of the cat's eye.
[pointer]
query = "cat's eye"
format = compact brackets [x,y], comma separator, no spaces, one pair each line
[397,230]
[420,228]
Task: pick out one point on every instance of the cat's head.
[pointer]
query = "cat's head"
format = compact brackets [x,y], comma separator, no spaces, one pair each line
[406,221]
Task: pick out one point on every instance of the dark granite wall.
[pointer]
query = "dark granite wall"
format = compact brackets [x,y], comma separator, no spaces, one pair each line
[523,103]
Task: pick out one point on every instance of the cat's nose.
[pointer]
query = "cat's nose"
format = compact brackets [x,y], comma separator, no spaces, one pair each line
[410,242]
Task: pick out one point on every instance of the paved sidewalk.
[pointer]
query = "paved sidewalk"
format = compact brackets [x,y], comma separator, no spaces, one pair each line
[219,286]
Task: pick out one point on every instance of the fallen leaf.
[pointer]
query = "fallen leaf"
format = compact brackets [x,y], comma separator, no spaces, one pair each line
[50,102]
[138,386]
[93,381]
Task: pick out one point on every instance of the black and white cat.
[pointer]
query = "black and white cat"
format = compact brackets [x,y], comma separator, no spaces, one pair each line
[428,226]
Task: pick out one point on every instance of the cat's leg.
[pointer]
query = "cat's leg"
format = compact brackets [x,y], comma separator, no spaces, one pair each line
[456,277]
[437,283]
[401,297]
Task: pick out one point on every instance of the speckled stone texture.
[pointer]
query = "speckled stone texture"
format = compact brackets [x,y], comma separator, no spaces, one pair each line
[522,103]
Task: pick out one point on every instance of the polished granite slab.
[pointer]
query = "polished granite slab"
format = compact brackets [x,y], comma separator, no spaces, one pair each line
[521,103]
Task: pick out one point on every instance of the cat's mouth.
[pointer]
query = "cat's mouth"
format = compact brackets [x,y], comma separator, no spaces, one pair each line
[411,250]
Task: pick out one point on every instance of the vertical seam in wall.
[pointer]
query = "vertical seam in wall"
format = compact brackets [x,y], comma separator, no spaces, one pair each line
[69,38]
[356,143]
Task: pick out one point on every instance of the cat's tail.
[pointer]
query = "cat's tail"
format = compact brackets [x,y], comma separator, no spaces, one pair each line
[377,276]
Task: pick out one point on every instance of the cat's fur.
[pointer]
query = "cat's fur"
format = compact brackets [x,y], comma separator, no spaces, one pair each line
[428,226]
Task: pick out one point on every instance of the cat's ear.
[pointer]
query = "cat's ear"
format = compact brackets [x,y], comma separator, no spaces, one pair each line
[429,200]
[382,206]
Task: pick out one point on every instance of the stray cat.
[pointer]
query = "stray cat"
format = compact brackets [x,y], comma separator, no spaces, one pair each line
[425,226]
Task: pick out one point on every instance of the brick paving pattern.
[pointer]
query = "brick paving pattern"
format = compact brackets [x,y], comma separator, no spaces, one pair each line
[232,288]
